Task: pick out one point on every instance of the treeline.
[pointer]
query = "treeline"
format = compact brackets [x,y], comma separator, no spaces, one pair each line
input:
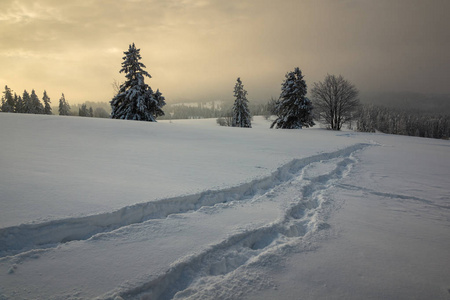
[26,103]
[369,118]
[29,103]
[395,121]
[92,109]
[203,110]
[192,110]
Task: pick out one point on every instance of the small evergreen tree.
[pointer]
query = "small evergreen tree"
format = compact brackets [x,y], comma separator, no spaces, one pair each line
[8,101]
[241,113]
[293,108]
[47,107]
[161,101]
[135,100]
[64,107]
[83,111]
[36,105]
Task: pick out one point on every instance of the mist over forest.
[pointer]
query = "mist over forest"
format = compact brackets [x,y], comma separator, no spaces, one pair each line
[409,101]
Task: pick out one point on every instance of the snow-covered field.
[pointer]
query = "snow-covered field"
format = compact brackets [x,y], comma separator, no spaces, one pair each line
[111,209]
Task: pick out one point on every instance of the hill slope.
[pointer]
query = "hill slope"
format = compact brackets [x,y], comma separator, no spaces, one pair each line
[190,210]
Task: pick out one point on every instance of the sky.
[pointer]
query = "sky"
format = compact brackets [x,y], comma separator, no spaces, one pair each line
[196,49]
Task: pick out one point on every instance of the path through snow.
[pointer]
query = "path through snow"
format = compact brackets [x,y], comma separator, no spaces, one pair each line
[226,229]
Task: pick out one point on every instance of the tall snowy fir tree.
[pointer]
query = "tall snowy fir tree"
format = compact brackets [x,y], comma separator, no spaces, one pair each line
[8,101]
[27,104]
[241,113]
[293,108]
[135,99]
[64,107]
[36,105]
[47,107]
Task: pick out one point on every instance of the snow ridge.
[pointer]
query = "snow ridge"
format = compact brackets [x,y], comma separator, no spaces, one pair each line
[186,276]
[26,237]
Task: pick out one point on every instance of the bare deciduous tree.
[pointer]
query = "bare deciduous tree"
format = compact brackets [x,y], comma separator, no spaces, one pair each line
[336,99]
[116,86]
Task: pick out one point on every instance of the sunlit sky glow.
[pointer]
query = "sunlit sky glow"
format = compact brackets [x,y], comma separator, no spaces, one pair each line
[195,49]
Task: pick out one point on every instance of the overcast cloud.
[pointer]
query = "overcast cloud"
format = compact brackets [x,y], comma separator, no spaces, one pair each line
[195,49]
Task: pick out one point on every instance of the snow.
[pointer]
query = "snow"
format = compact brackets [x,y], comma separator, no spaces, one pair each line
[391,237]
[186,209]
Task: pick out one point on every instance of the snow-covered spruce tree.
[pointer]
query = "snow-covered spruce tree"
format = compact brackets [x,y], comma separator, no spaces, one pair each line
[293,108]
[27,103]
[47,107]
[36,105]
[241,113]
[8,101]
[64,107]
[135,100]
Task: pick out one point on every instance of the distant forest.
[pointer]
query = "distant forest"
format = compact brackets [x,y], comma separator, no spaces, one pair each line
[213,109]
[403,122]
[405,114]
